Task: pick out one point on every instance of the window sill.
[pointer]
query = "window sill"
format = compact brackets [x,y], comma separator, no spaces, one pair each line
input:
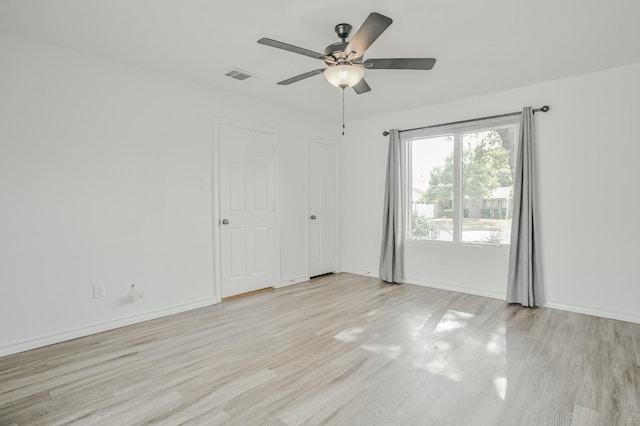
[503,248]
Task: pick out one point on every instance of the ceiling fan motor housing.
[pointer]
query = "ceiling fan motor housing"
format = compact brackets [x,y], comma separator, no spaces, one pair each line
[343,30]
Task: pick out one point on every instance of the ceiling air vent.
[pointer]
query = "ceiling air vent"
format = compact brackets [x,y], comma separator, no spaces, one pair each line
[239,74]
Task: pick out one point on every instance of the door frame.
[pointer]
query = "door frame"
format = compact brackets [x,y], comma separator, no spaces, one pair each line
[215,193]
[336,216]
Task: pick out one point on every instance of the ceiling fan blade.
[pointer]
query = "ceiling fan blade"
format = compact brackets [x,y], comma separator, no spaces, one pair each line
[361,87]
[291,48]
[371,28]
[401,63]
[301,77]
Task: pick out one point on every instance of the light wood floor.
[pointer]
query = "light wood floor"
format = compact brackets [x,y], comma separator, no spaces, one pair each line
[341,350]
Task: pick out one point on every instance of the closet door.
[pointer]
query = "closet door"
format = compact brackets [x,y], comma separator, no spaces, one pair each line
[247,209]
[322,208]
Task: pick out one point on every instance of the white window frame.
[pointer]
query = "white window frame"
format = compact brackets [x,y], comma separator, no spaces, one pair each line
[456,131]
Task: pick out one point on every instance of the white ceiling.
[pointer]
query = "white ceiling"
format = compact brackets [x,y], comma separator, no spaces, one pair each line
[481,46]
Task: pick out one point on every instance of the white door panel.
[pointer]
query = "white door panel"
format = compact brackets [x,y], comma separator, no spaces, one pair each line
[247,203]
[322,205]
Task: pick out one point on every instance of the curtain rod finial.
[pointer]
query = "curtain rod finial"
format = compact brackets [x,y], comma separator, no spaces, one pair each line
[545,108]
[385,133]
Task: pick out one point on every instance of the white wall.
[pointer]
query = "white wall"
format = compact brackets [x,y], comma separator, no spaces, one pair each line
[588,148]
[100,182]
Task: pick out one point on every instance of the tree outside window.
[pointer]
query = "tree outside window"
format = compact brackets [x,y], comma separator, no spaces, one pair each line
[485,192]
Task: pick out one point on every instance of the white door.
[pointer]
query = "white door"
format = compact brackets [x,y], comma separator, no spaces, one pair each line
[247,209]
[322,208]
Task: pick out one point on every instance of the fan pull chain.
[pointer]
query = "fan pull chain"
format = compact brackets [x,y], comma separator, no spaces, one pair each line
[343,111]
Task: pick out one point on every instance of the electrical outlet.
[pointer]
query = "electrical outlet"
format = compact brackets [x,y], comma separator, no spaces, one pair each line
[98,291]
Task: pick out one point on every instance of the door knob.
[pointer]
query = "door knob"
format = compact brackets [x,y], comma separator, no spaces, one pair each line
[225,221]
[313,217]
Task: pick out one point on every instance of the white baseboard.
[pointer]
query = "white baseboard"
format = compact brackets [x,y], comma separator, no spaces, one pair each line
[373,274]
[456,288]
[593,311]
[500,296]
[38,342]
[553,305]
[292,281]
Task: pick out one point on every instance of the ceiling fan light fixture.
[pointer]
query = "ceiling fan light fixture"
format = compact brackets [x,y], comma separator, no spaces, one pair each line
[344,75]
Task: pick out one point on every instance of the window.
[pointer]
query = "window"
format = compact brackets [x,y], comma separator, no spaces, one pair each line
[461,182]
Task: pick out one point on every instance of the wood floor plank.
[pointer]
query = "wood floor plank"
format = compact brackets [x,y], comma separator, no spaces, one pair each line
[341,349]
[583,416]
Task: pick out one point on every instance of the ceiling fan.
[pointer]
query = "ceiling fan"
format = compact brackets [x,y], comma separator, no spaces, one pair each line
[345,63]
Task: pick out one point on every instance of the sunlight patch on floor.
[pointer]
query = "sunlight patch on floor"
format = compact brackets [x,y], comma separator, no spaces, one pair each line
[349,335]
[497,344]
[500,383]
[415,324]
[497,348]
[453,320]
[390,351]
[441,366]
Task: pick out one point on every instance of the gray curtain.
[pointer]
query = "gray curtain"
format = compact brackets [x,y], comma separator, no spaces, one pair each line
[392,251]
[523,280]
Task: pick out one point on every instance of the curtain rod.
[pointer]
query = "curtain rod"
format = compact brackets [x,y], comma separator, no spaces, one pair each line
[543,109]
